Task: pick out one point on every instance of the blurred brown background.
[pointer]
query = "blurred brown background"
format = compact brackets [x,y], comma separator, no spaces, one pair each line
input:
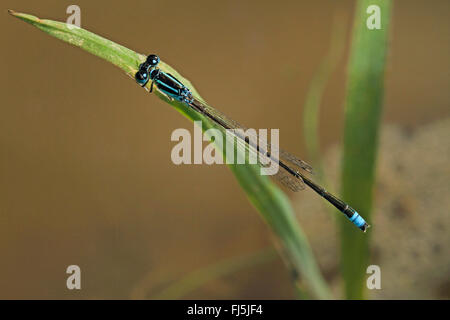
[86,176]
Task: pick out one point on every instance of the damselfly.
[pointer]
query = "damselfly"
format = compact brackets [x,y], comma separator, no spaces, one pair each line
[291,173]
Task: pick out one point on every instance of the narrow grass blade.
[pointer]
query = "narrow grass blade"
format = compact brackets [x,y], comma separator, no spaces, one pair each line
[365,87]
[269,200]
[196,279]
[311,111]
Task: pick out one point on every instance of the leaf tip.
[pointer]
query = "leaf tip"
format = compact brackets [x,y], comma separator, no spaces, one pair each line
[25,17]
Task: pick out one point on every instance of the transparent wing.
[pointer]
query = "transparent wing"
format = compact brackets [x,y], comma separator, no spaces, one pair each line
[289,165]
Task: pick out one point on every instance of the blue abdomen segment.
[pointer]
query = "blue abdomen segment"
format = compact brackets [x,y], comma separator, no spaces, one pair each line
[358,220]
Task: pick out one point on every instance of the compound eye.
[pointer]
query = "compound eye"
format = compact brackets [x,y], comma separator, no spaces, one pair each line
[141,77]
[152,60]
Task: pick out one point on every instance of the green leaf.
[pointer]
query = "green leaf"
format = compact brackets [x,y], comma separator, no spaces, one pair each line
[269,200]
[365,87]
